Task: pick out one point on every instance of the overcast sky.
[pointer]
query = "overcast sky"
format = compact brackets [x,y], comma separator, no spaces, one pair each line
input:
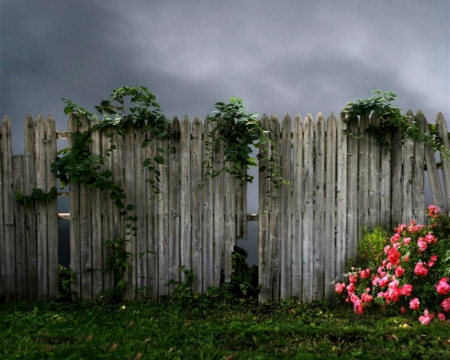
[280,56]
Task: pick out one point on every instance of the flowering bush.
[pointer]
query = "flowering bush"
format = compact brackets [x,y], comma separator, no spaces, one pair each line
[414,275]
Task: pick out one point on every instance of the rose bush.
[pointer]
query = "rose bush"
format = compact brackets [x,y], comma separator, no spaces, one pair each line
[414,275]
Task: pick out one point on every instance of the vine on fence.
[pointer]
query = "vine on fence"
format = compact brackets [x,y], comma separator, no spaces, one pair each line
[391,119]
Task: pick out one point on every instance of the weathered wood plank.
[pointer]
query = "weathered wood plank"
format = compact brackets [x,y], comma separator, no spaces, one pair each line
[218,210]
[19,232]
[342,242]
[330,208]
[30,209]
[97,229]
[208,211]
[385,186]
[397,177]
[130,191]
[151,231]
[85,232]
[375,149]
[418,204]
[363,188]
[408,174]
[436,190]
[297,208]
[264,249]
[286,211]
[52,210]
[2,223]
[185,192]
[197,203]
[41,211]
[174,205]
[308,217]
[75,256]
[443,133]
[319,208]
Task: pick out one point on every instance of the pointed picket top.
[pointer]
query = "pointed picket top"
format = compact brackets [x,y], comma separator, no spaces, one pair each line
[264,117]
[419,115]
[332,117]
[309,118]
[409,113]
[298,117]
[185,120]
[286,121]
[28,122]
[440,117]
[197,120]
[6,124]
[274,119]
[319,116]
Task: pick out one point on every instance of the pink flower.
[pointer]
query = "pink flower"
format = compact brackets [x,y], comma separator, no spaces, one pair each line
[399,271]
[420,270]
[430,239]
[394,294]
[446,304]
[422,244]
[386,249]
[433,258]
[433,210]
[364,274]
[441,316]
[406,241]
[394,256]
[426,318]
[414,304]
[339,287]
[443,288]
[375,281]
[406,289]
[353,278]
[383,281]
[406,258]
[430,264]
[351,288]
[399,229]
[396,237]
[357,307]
[366,297]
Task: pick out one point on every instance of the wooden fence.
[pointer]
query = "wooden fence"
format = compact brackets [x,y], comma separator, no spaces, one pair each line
[307,230]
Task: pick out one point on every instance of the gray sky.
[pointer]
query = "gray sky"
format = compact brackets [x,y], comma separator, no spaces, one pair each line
[279,56]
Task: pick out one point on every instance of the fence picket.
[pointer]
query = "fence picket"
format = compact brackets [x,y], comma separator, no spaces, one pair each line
[443,133]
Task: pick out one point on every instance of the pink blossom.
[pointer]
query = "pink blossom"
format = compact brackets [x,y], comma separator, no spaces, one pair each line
[430,264]
[430,239]
[406,241]
[383,281]
[357,307]
[399,271]
[399,229]
[414,304]
[386,249]
[394,256]
[426,318]
[375,281]
[433,258]
[406,258]
[351,288]
[433,210]
[443,288]
[407,289]
[339,287]
[353,278]
[366,297]
[364,274]
[445,304]
[420,270]
[394,294]
[396,237]
[441,316]
[422,244]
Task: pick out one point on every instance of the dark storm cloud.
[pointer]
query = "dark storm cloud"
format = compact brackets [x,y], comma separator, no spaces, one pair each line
[288,56]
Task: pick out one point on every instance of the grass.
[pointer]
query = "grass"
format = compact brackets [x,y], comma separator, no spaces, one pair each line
[213,330]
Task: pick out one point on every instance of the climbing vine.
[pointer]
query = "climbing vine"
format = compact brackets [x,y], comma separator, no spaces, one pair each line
[391,119]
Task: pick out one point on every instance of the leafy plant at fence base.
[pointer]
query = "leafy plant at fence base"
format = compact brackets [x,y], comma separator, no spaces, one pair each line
[243,279]
[66,279]
[391,119]
[370,248]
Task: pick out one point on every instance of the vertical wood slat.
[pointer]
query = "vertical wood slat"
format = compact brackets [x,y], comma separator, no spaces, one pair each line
[319,211]
[385,186]
[2,223]
[85,241]
[107,216]
[229,222]
[151,238]
[185,192]
[342,241]
[330,208]
[218,210]
[408,174]
[397,177]
[52,210]
[363,186]
[97,233]
[197,203]
[286,211]
[353,148]
[140,189]
[208,211]
[375,149]
[163,221]
[174,205]
[8,245]
[308,217]
[418,204]
[264,250]
[20,271]
[297,208]
[41,211]
[75,259]
[30,209]
[443,133]
[436,190]
[274,212]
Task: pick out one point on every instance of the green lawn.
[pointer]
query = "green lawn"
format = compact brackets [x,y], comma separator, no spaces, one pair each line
[245,331]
